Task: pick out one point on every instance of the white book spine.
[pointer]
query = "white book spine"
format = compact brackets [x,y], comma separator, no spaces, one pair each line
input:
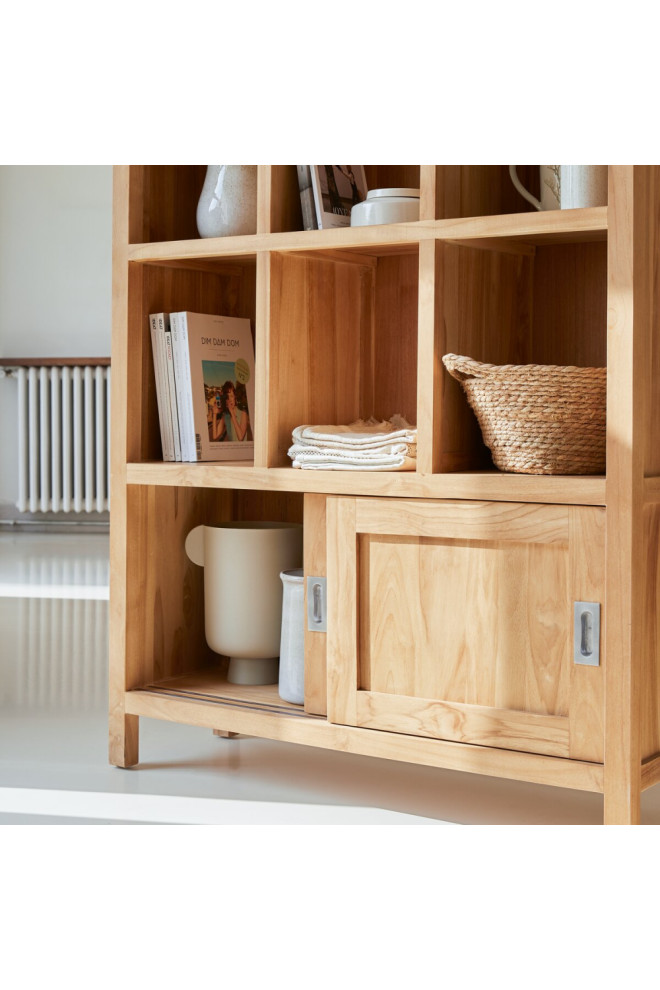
[157,348]
[183,387]
[169,364]
[167,410]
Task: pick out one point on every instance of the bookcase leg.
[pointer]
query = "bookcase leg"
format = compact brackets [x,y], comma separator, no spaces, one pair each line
[622,804]
[224,734]
[124,740]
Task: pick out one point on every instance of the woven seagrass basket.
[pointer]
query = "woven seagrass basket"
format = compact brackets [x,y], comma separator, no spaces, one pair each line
[534,418]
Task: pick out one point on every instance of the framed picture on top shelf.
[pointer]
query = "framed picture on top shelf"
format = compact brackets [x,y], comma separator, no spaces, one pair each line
[337,188]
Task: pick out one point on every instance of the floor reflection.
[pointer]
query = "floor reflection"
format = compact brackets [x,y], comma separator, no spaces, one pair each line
[54,565]
[61,660]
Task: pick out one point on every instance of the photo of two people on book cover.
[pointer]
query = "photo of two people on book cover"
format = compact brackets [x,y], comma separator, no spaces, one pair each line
[227,411]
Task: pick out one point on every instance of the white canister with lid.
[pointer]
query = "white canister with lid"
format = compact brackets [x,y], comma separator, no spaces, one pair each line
[386,206]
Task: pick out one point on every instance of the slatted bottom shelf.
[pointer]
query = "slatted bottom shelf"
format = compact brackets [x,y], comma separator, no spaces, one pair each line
[210,686]
[205,699]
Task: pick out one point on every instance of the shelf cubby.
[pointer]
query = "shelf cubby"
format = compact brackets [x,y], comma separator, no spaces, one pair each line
[165,197]
[163,205]
[343,340]
[498,302]
[481,190]
[166,590]
[224,286]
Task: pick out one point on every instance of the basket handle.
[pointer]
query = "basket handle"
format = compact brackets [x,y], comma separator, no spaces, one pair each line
[461,368]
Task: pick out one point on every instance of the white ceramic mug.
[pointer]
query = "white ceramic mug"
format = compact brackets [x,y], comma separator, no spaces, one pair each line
[566,187]
[242,562]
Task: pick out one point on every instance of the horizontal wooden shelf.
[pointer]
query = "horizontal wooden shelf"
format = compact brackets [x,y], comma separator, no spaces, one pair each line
[553,226]
[583,490]
[203,699]
[543,227]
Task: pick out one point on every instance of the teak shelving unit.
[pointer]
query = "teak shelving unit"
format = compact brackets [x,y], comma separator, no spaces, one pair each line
[451,588]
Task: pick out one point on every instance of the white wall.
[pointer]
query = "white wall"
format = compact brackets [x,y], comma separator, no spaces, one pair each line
[55,276]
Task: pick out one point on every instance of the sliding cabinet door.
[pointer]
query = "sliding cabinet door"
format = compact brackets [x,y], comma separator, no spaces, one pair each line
[457,620]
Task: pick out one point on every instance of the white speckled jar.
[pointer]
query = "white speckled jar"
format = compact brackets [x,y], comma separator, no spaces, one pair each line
[228,201]
[386,206]
[292,643]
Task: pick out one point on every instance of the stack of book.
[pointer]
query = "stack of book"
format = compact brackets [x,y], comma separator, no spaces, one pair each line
[204,371]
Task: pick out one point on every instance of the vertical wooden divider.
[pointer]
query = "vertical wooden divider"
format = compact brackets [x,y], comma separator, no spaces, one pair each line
[342,602]
[263,440]
[629,332]
[264,198]
[586,561]
[315,561]
[429,368]
[124,731]
[264,429]
[427,192]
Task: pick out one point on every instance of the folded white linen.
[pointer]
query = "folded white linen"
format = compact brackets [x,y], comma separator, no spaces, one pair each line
[365,445]
[385,450]
[361,435]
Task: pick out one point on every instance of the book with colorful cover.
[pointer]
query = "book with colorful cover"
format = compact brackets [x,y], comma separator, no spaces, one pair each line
[214,372]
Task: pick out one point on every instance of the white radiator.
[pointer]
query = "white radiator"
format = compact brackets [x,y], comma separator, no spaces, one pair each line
[63,439]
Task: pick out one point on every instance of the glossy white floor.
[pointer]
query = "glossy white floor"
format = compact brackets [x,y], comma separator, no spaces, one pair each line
[53,734]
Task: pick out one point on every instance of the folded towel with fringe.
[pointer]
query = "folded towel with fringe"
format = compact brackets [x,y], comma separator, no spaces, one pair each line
[365,445]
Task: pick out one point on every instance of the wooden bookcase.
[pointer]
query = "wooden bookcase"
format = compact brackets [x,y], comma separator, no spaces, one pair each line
[450,588]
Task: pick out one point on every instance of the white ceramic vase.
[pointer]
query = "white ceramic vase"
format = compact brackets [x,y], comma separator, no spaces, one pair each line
[292,641]
[242,563]
[566,187]
[228,201]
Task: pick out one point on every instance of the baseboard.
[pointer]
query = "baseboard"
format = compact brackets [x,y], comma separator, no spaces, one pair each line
[11,520]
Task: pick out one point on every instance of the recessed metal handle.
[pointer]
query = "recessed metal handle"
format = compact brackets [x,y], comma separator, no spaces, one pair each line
[586,633]
[316,604]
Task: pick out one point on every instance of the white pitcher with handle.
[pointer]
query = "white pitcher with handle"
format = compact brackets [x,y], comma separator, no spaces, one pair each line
[566,187]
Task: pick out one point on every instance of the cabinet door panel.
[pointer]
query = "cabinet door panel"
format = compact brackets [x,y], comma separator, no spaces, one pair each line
[455,620]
